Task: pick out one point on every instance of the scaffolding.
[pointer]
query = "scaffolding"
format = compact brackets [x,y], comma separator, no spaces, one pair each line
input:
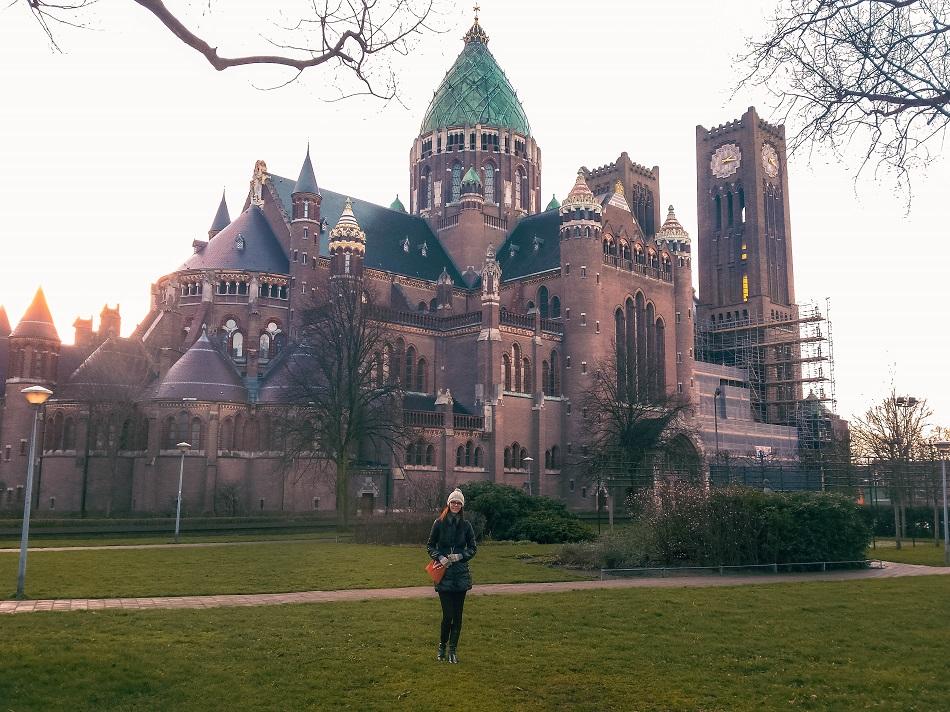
[789,366]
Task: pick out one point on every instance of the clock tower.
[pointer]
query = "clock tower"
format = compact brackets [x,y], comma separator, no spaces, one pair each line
[744,239]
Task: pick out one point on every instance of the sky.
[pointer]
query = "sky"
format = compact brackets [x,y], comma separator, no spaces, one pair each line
[114,153]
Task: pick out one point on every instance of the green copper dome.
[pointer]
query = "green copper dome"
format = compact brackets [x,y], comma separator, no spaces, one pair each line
[475,91]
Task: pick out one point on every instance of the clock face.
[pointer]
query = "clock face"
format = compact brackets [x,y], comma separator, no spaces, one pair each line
[769,160]
[725,160]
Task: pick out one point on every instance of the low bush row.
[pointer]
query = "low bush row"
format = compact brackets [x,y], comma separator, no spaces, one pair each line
[511,514]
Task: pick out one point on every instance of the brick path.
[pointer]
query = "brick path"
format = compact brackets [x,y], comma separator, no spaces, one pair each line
[890,570]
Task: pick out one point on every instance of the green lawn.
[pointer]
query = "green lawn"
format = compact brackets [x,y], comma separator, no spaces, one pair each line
[924,553]
[817,646]
[44,542]
[256,568]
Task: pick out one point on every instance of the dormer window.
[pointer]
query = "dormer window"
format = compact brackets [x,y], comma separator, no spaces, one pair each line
[239,242]
[424,249]
[405,245]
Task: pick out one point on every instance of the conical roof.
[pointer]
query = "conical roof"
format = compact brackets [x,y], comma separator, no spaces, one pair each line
[554,204]
[673,233]
[397,205]
[471,176]
[222,218]
[203,373]
[118,370]
[580,195]
[347,233]
[307,180]
[4,323]
[248,243]
[37,322]
[475,91]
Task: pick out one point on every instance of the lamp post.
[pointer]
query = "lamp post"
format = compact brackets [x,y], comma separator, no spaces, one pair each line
[527,461]
[36,396]
[943,447]
[183,447]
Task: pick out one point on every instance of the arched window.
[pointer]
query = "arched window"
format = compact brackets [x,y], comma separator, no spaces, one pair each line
[238,442]
[547,459]
[456,182]
[422,376]
[555,374]
[424,188]
[170,429]
[398,355]
[519,188]
[729,210]
[526,375]
[651,350]
[69,434]
[515,455]
[523,181]
[489,182]
[506,371]
[460,456]
[641,346]
[507,457]
[195,440]
[237,344]
[555,308]
[660,368]
[421,307]
[521,458]
[543,305]
[546,378]
[411,454]
[265,346]
[468,453]
[387,362]
[516,358]
[430,455]
[410,367]
[477,458]
[718,208]
[227,434]
[433,304]
[58,427]
[555,458]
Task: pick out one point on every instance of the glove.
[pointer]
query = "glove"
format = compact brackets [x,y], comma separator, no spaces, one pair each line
[454,558]
[444,561]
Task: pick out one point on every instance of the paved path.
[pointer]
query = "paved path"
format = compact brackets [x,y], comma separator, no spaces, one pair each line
[890,570]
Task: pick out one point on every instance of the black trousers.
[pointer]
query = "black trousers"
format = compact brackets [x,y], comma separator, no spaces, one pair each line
[452,604]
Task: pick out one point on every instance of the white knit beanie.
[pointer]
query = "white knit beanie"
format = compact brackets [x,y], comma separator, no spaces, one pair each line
[456,496]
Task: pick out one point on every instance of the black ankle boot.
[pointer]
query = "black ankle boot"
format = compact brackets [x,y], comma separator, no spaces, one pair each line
[441,657]
[453,658]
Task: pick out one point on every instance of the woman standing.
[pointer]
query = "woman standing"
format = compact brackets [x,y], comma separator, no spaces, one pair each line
[452,544]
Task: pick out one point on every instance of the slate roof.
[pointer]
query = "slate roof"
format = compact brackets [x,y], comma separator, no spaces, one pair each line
[203,373]
[37,322]
[386,230]
[426,402]
[221,218]
[119,368]
[524,260]
[261,250]
[306,181]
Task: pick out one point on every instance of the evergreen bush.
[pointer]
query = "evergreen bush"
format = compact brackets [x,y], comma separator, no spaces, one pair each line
[511,514]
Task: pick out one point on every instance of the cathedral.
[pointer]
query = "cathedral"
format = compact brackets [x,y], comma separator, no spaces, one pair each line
[503,305]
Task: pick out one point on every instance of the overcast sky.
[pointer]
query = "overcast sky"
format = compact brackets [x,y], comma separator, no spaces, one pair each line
[114,154]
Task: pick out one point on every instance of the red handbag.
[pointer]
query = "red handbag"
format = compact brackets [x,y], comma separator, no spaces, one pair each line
[435,571]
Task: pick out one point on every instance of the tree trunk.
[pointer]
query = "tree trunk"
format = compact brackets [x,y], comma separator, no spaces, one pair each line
[342,495]
[897,521]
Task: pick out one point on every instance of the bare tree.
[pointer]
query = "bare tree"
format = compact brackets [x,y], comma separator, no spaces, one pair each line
[871,72]
[891,435]
[358,37]
[630,429]
[344,401]
[109,385]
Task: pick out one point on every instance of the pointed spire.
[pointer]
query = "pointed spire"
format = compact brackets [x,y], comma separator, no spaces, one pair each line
[222,218]
[580,195]
[347,235]
[37,322]
[4,323]
[673,233]
[397,205]
[307,181]
[475,32]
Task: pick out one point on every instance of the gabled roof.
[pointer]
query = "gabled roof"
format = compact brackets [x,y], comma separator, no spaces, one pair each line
[37,322]
[533,246]
[203,373]
[248,243]
[475,91]
[386,231]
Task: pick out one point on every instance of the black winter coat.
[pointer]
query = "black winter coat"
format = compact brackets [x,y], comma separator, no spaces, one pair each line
[453,535]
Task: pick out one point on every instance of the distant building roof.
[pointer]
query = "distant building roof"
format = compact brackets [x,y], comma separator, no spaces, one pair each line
[533,246]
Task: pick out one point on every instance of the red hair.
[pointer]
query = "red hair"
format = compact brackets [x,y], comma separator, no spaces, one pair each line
[445,513]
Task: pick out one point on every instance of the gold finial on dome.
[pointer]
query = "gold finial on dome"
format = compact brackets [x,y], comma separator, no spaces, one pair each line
[475,32]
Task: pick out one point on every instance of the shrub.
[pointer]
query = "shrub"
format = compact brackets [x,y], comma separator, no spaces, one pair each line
[509,513]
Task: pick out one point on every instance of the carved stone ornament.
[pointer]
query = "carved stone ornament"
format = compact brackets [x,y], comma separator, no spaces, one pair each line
[257,183]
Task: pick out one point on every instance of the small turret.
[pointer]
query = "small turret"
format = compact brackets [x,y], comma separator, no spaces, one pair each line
[580,212]
[397,205]
[222,218]
[347,245]
[34,344]
[444,290]
[306,196]
[554,204]
[110,323]
[673,235]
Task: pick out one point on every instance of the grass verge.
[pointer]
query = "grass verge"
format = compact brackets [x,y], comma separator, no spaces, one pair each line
[814,646]
[924,553]
[258,568]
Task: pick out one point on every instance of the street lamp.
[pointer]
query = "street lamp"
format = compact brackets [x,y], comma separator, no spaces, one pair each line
[36,396]
[183,447]
[528,460]
[943,447]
